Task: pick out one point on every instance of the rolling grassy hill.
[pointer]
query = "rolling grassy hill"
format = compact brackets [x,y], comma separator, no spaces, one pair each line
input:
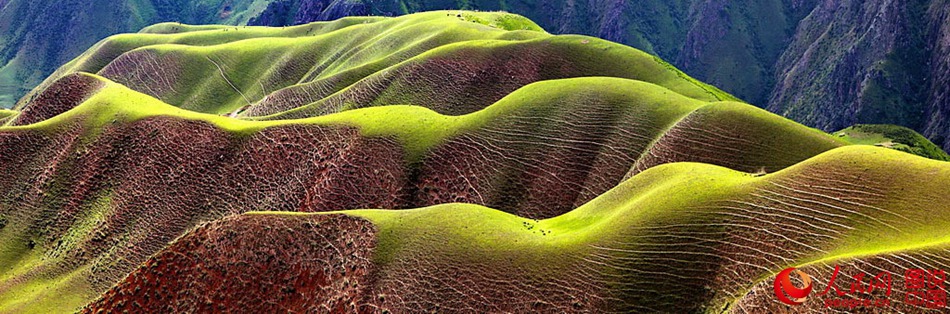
[826,64]
[6,114]
[731,44]
[362,62]
[37,36]
[714,237]
[553,173]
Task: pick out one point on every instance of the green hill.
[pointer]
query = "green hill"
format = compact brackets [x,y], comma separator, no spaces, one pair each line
[357,62]
[731,44]
[6,114]
[824,64]
[108,160]
[679,237]
[551,170]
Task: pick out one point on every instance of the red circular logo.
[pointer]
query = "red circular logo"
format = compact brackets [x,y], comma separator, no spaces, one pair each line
[787,292]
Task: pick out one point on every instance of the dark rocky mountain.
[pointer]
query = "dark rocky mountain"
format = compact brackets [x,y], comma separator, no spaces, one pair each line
[281,13]
[828,64]
[868,62]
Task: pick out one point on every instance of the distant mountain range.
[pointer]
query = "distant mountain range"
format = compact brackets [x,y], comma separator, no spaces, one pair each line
[827,64]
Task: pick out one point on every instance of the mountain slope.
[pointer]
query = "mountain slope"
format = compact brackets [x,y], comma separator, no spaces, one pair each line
[359,62]
[122,160]
[5,115]
[100,175]
[731,44]
[827,64]
[857,62]
[892,136]
[869,62]
[701,249]
[36,37]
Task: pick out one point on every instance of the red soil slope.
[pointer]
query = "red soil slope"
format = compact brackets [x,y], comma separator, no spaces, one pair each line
[703,257]
[64,94]
[460,80]
[153,179]
[261,264]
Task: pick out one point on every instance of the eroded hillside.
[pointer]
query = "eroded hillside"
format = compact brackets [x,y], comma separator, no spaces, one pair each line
[561,173]
[826,64]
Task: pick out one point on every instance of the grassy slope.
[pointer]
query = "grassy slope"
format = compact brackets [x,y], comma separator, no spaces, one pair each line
[487,231]
[99,55]
[341,53]
[418,129]
[595,57]
[893,136]
[480,232]
[674,238]
[337,42]
[6,114]
[732,45]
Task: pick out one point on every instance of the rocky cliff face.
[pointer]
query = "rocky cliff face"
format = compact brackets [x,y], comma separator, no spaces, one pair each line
[736,43]
[854,61]
[937,123]
[287,12]
[828,64]
[880,61]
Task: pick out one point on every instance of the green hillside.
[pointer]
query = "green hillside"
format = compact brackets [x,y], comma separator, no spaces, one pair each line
[5,115]
[679,237]
[93,235]
[551,173]
[893,136]
[824,64]
[347,63]
[731,44]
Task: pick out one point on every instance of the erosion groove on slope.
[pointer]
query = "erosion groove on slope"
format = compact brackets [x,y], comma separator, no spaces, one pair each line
[150,136]
[122,160]
[452,64]
[715,236]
